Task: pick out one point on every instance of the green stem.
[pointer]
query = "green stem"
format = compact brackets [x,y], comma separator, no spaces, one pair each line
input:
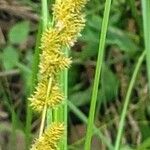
[33,84]
[44,14]
[62,112]
[97,75]
[146,24]
[36,59]
[127,99]
[35,70]
[65,89]
[84,119]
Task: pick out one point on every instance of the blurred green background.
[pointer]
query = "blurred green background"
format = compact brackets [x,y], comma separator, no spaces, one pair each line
[19,23]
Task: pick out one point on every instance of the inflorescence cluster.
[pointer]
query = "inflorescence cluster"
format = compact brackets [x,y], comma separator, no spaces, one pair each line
[68,21]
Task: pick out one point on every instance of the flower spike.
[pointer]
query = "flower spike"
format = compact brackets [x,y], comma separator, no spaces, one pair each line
[50,138]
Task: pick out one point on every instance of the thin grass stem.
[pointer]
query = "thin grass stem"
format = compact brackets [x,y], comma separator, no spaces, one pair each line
[127,99]
[61,114]
[35,69]
[44,14]
[33,84]
[65,90]
[146,25]
[97,75]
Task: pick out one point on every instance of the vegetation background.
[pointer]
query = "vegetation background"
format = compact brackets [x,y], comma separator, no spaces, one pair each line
[19,24]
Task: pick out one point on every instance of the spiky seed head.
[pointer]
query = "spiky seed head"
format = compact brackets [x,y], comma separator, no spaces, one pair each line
[50,138]
[38,99]
[52,63]
[50,40]
[69,20]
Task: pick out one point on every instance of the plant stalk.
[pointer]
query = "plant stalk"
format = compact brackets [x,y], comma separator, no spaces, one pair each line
[44,14]
[61,114]
[146,25]
[97,75]
[35,68]
[33,84]
[65,89]
[127,99]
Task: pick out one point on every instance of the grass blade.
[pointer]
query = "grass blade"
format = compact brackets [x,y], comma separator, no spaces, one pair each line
[146,25]
[35,69]
[127,99]
[97,75]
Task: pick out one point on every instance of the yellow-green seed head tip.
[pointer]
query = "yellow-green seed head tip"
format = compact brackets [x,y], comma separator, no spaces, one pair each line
[69,19]
[50,138]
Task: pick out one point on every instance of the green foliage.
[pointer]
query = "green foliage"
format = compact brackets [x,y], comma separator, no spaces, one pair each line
[107,92]
[115,36]
[126,148]
[127,46]
[122,40]
[110,85]
[81,98]
[10,57]
[145,145]
[19,32]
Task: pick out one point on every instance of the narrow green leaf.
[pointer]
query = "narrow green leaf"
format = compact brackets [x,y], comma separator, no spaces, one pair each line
[146,25]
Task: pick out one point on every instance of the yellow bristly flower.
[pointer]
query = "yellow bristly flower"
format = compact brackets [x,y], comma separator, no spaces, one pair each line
[69,19]
[52,60]
[52,63]
[38,99]
[50,138]
[50,41]
[71,29]
[69,6]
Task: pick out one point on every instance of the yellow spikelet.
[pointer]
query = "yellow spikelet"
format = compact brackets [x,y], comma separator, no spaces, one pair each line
[38,99]
[56,97]
[71,29]
[52,63]
[50,40]
[69,19]
[50,138]
[78,4]
[67,7]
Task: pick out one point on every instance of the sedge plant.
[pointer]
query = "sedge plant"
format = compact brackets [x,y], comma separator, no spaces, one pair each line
[68,21]
[49,98]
